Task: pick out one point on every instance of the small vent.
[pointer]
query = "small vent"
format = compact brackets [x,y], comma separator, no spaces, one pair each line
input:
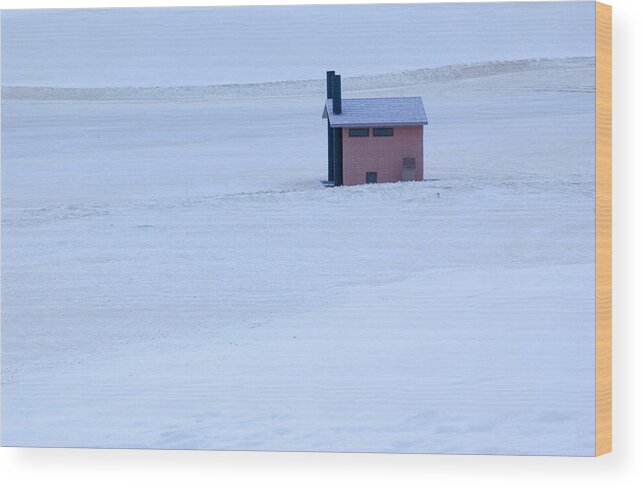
[408,163]
[383,132]
[357,132]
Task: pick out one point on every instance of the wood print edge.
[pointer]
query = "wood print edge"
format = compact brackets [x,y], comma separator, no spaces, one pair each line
[603,229]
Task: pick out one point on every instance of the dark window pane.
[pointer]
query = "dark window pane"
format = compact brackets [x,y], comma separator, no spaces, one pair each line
[358,132]
[371,177]
[408,163]
[383,132]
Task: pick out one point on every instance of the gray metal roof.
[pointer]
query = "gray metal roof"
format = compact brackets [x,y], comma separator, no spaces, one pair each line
[373,112]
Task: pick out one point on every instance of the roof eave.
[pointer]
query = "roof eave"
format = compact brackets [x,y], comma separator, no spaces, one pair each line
[383,124]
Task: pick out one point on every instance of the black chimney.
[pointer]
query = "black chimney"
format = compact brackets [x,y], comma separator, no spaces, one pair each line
[337,94]
[330,75]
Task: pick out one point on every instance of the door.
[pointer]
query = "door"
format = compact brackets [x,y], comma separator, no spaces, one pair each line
[371,177]
[408,169]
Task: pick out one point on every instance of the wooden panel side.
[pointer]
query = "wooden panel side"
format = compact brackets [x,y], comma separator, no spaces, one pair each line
[603,229]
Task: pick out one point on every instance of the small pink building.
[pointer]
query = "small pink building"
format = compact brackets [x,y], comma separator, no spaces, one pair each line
[373,140]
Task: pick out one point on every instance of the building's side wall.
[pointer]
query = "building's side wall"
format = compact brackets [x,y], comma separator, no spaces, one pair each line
[383,155]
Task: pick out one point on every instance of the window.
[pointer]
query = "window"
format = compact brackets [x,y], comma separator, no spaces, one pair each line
[383,132]
[408,163]
[357,132]
[371,177]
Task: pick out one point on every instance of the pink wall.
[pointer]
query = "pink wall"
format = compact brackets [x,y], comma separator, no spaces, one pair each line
[383,155]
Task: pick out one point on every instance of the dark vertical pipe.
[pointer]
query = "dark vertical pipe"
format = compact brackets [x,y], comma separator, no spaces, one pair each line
[338,153]
[331,159]
[337,94]
[330,76]
[338,157]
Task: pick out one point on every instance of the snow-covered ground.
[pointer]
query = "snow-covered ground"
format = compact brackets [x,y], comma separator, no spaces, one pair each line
[174,275]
